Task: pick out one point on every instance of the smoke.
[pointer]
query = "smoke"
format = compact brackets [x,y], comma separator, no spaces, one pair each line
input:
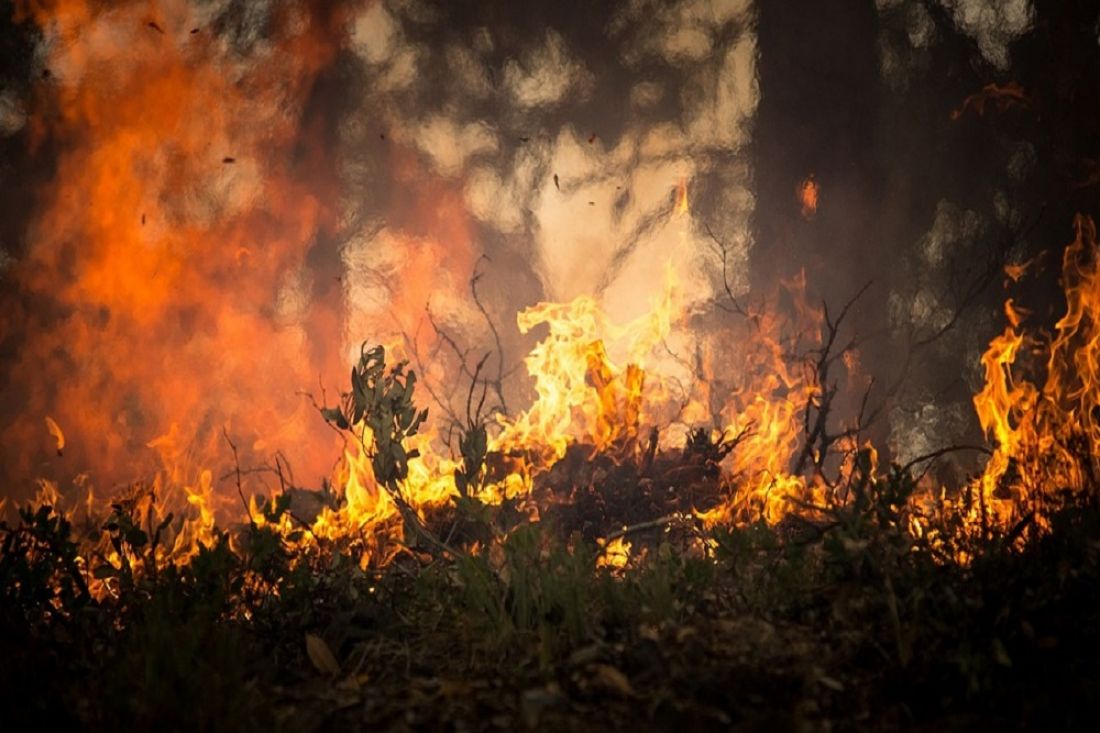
[993,24]
[230,197]
[159,297]
[244,192]
[12,115]
[548,146]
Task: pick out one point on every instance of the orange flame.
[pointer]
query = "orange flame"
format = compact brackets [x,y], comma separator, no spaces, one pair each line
[615,555]
[174,249]
[1046,436]
[172,243]
[807,196]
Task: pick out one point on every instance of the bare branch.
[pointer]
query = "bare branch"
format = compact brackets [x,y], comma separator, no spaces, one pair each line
[944,451]
[736,307]
[818,439]
[240,489]
[497,384]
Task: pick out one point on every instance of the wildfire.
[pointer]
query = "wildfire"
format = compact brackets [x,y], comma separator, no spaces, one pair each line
[1044,432]
[586,398]
[190,303]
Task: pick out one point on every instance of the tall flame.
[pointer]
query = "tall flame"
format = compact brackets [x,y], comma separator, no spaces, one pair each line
[166,290]
[1045,435]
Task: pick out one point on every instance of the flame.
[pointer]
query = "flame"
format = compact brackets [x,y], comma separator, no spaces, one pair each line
[1045,435]
[615,554]
[1014,313]
[171,246]
[55,431]
[174,250]
[1015,272]
[581,395]
[807,196]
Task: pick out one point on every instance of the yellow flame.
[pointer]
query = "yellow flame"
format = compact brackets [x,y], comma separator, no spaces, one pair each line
[599,383]
[1046,436]
[615,555]
[55,431]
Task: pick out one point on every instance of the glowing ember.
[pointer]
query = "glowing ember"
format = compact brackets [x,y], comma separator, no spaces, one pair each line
[616,554]
[807,196]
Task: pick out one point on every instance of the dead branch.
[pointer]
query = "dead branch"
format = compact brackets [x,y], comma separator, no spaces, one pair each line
[498,383]
[942,452]
[240,489]
[818,438]
[474,417]
[444,403]
[651,524]
[736,306]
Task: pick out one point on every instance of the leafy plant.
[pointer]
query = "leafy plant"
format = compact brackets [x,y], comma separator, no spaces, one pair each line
[40,575]
[380,411]
[473,441]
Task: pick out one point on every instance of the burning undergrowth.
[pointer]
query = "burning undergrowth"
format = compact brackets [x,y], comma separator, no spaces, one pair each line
[598,531]
[617,455]
[679,506]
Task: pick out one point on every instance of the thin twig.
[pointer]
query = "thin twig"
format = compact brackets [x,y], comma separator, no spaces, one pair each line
[653,523]
[944,451]
[818,439]
[498,385]
[736,308]
[240,489]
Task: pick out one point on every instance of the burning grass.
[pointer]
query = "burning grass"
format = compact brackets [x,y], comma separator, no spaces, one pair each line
[575,566]
[854,624]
